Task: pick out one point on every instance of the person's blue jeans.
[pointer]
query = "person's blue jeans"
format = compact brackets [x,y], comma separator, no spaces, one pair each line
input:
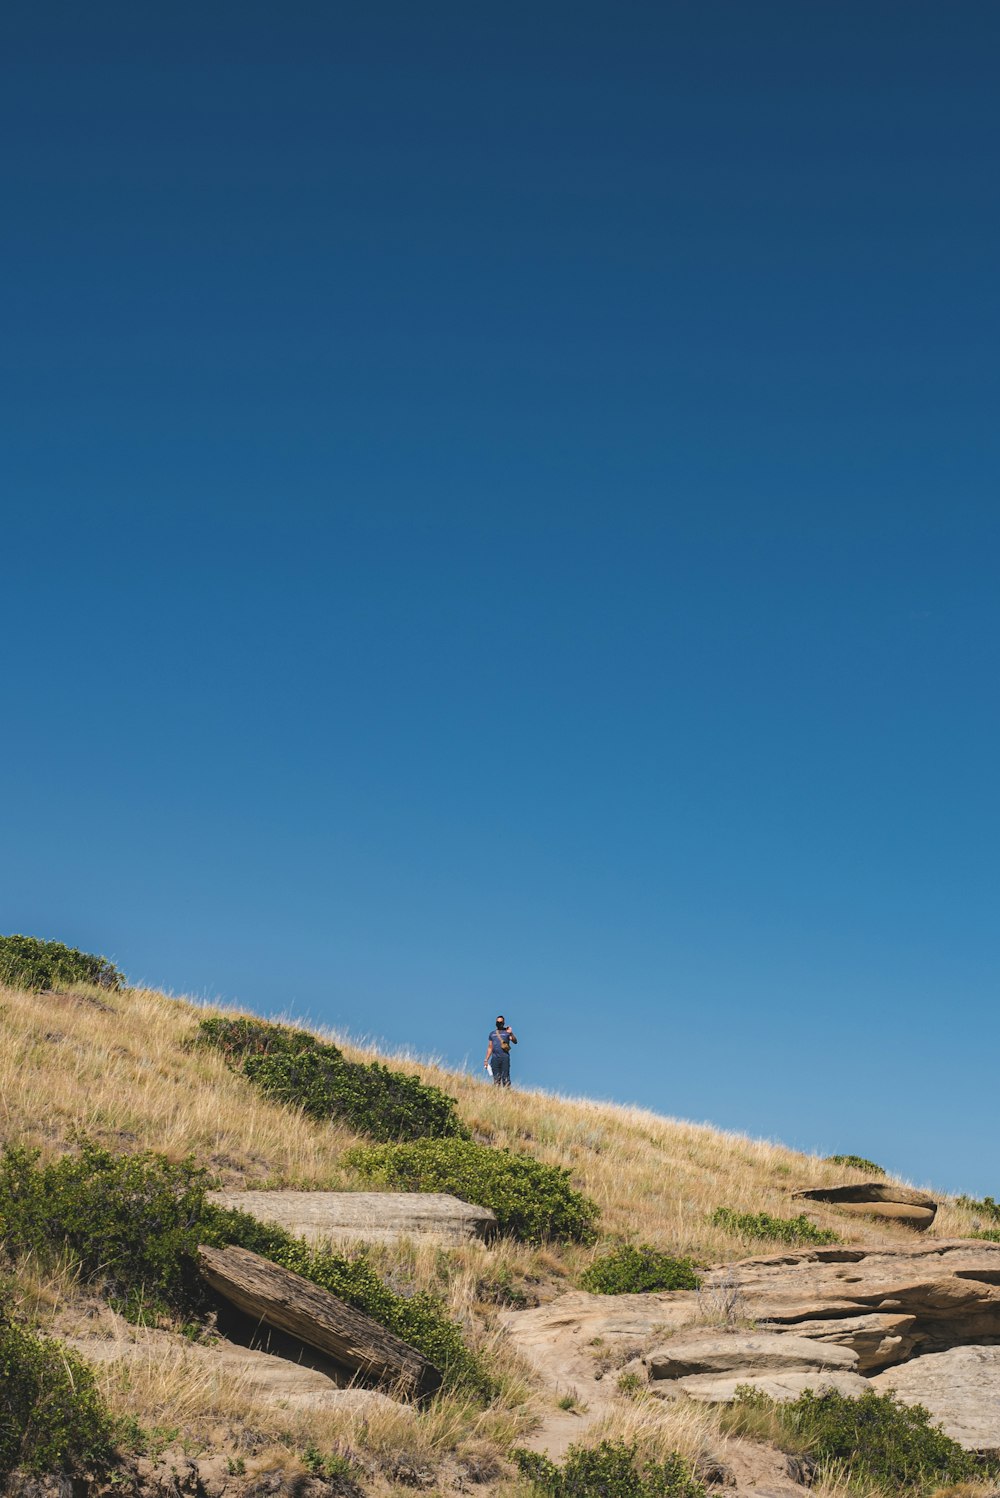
[500,1067]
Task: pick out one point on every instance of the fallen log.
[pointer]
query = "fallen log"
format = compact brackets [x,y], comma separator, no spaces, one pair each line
[292,1304]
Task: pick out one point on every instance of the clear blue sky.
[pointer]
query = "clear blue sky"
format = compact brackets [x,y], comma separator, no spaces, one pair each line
[500,511]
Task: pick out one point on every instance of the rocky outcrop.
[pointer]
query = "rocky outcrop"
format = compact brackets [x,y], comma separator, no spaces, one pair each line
[937,1294]
[878,1337]
[368,1216]
[898,1204]
[823,1317]
[960,1388]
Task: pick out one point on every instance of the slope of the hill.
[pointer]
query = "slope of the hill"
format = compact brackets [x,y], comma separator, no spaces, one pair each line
[123,1070]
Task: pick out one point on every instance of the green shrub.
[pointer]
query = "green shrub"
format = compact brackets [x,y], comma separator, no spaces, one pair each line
[983,1206]
[26,962]
[532,1201]
[609,1470]
[52,1418]
[132,1225]
[636,1268]
[755,1225]
[295,1067]
[874,1439]
[991,1235]
[130,1221]
[856,1162]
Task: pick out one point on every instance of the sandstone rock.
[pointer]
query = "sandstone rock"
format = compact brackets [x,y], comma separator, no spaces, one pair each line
[368,1216]
[878,1199]
[960,1388]
[578,1334]
[878,1304]
[271,1380]
[879,1338]
[949,1287]
[748,1353]
[713,1388]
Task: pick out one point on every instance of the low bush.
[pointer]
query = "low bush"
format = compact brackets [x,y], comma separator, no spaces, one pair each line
[532,1201]
[990,1235]
[609,1470]
[27,962]
[856,1162]
[872,1441]
[753,1225]
[295,1067]
[636,1268]
[52,1418]
[132,1224]
[983,1206]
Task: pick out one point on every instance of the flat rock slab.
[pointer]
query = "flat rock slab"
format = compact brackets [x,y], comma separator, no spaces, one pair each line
[266,1378]
[749,1353]
[364,1216]
[960,1387]
[712,1388]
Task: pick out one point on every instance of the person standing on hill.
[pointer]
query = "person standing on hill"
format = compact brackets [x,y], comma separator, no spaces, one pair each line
[498,1052]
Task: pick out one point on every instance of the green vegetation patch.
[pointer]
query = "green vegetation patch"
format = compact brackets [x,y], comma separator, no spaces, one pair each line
[636,1268]
[873,1441]
[292,1066]
[26,962]
[532,1201]
[132,1224]
[761,1225]
[856,1162]
[609,1470]
[52,1418]
[983,1206]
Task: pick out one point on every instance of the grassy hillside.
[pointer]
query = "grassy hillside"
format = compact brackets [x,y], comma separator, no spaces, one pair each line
[124,1069]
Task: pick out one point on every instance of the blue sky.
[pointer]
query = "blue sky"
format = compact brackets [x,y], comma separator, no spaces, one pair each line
[499,511]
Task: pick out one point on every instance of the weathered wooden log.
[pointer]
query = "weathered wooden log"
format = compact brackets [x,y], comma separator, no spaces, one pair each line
[292,1304]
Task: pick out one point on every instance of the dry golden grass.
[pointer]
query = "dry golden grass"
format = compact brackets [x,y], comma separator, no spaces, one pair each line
[177,1390]
[117,1067]
[123,1069]
[658,1427]
[128,1074]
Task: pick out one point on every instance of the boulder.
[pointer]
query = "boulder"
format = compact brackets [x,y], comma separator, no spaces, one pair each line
[878,1199]
[367,1216]
[960,1388]
[746,1352]
[714,1388]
